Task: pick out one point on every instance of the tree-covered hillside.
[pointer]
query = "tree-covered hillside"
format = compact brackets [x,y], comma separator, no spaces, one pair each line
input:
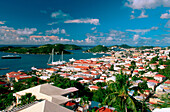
[44,49]
[98,48]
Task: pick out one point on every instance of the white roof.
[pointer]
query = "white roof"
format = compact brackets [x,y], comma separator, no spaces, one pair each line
[161,110]
[46,106]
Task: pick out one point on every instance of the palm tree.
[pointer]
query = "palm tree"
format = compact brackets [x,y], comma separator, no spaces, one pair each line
[27,98]
[84,102]
[118,96]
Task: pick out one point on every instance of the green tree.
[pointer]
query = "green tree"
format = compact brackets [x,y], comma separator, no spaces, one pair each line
[118,96]
[3,89]
[141,89]
[154,59]
[84,101]
[27,98]
[112,68]
[161,62]
[101,84]
[165,102]
[6,100]
[99,95]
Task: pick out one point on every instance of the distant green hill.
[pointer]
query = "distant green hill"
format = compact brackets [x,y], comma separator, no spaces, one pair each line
[98,48]
[44,49]
[123,46]
[144,47]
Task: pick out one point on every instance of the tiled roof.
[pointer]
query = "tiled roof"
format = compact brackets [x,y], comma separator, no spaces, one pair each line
[167,82]
[154,81]
[104,109]
[159,75]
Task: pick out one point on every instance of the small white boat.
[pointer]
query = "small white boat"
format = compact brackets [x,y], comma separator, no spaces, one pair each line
[11,57]
[94,53]
[72,60]
[33,68]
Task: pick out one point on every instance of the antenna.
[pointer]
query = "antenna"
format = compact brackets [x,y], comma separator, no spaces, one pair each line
[62,55]
[52,54]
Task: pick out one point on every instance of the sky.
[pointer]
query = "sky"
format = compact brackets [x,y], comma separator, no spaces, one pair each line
[85,22]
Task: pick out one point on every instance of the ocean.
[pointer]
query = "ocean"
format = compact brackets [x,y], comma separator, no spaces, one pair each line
[40,61]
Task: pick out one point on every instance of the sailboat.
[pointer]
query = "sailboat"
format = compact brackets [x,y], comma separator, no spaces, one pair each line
[72,60]
[54,63]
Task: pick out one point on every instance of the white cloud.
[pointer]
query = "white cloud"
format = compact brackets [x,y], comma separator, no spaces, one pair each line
[60,14]
[145,38]
[132,17]
[135,37]
[64,40]
[89,40]
[142,15]
[167,25]
[166,15]
[56,31]
[138,30]
[109,38]
[154,28]
[143,31]
[2,22]
[26,31]
[147,4]
[52,23]
[91,21]
[93,28]
[63,31]
[53,31]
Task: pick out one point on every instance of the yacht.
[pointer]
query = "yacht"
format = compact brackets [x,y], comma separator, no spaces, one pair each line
[72,60]
[11,57]
[55,63]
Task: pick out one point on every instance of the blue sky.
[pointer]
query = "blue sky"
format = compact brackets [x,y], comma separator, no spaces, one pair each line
[85,22]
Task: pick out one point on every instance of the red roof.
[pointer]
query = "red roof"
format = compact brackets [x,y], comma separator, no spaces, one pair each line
[167,82]
[70,104]
[134,56]
[17,75]
[85,67]
[163,56]
[104,109]
[135,71]
[152,103]
[2,82]
[141,68]
[95,87]
[23,77]
[159,75]
[13,73]
[128,64]
[65,74]
[147,90]
[51,69]
[154,81]
[95,74]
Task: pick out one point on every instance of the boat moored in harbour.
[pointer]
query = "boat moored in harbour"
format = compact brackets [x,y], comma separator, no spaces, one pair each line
[55,63]
[11,57]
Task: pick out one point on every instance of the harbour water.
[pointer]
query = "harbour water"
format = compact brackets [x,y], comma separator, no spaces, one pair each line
[39,61]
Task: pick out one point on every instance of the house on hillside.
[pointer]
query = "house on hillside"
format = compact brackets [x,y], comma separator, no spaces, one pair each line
[48,92]
[12,75]
[159,77]
[46,106]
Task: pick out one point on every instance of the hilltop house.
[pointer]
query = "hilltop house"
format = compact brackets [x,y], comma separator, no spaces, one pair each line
[12,75]
[159,77]
[48,92]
